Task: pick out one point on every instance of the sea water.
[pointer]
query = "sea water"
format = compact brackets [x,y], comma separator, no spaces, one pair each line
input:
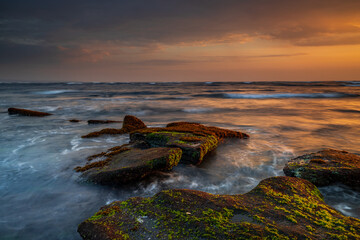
[42,197]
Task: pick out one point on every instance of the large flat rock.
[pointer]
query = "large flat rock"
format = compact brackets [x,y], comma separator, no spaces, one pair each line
[278,208]
[326,167]
[125,165]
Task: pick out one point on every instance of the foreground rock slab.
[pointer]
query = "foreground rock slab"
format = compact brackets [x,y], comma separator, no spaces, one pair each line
[26,112]
[278,208]
[326,167]
[127,164]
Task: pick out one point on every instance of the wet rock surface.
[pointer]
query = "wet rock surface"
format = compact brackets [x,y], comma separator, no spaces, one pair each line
[194,147]
[74,120]
[130,123]
[26,112]
[102,121]
[326,167]
[196,140]
[126,164]
[278,208]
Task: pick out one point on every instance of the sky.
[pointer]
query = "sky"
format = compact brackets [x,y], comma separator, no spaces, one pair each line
[173,40]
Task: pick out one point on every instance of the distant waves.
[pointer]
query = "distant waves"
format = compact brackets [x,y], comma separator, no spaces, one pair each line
[278,95]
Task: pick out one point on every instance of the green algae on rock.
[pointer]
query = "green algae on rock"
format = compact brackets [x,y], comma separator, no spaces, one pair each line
[130,123]
[326,167]
[26,112]
[196,140]
[200,130]
[194,147]
[278,208]
[126,164]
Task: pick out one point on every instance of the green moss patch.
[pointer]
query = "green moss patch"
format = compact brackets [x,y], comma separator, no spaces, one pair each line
[278,208]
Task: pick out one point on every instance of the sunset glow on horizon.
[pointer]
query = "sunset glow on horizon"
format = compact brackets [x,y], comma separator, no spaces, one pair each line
[180,41]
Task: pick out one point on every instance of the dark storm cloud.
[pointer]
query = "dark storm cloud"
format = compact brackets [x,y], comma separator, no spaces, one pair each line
[11,52]
[50,27]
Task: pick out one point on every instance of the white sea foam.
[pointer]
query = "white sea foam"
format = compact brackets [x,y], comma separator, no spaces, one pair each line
[49,109]
[353,84]
[53,92]
[197,110]
[74,83]
[345,209]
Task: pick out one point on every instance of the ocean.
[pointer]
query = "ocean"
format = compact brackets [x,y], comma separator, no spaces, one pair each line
[42,197]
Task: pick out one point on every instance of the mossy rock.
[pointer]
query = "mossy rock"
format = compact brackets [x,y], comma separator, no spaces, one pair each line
[194,147]
[326,167]
[124,165]
[26,112]
[196,140]
[198,129]
[278,208]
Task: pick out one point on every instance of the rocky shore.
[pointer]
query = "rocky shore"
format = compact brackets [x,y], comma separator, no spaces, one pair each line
[278,208]
[288,207]
[152,149]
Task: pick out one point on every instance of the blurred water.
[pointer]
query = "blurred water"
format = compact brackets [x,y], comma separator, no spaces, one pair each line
[43,198]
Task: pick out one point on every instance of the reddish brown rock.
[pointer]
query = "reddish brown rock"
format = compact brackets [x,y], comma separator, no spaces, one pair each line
[326,167]
[130,123]
[26,112]
[199,129]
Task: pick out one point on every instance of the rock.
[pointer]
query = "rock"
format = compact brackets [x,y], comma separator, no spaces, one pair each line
[278,208]
[194,139]
[200,129]
[194,147]
[126,164]
[189,142]
[130,123]
[74,120]
[326,167]
[102,121]
[26,112]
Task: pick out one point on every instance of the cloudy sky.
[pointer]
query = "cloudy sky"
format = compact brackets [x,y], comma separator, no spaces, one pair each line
[187,40]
